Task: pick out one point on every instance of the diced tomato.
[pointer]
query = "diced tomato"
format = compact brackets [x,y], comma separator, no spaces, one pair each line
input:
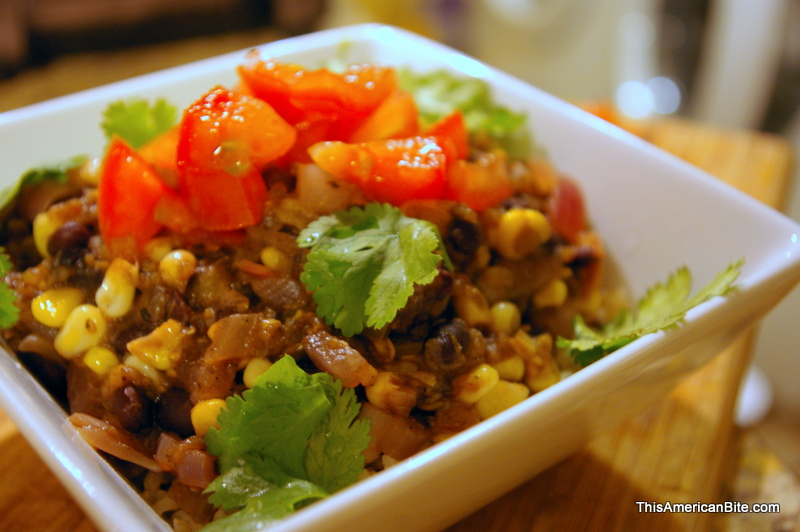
[355,93]
[271,82]
[162,154]
[567,210]
[396,117]
[478,184]
[393,170]
[298,94]
[452,126]
[128,192]
[230,131]
[226,138]
[173,211]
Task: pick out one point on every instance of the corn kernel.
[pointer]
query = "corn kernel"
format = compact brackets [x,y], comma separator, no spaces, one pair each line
[501,397]
[100,359]
[52,307]
[254,369]
[510,369]
[276,260]
[547,375]
[89,172]
[155,376]
[471,305]
[506,318]
[177,267]
[115,295]
[163,347]
[44,225]
[553,294]
[83,328]
[473,385]
[204,415]
[520,232]
[157,248]
[391,393]
[541,369]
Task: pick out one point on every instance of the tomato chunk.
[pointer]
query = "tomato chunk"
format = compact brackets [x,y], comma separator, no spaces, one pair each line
[393,170]
[479,184]
[452,126]
[128,192]
[567,210]
[396,117]
[271,81]
[226,138]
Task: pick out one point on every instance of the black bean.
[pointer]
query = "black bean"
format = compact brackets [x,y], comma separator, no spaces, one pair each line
[68,243]
[69,237]
[173,412]
[464,236]
[446,349]
[132,407]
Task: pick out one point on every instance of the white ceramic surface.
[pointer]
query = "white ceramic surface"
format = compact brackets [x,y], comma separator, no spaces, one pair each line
[654,211]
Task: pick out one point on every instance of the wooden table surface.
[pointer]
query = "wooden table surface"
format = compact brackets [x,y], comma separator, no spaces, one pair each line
[685,448]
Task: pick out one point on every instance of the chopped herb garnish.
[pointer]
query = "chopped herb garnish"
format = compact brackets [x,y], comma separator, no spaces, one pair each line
[364,263]
[662,307]
[290,440]
[137,121]
[9,312]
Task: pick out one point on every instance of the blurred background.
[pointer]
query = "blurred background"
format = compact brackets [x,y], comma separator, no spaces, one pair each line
[732,63]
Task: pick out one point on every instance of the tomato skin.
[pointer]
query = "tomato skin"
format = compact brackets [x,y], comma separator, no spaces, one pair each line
[321,104]
[228,131]
[567,210]
[271,81]
[392,170]
[128,192]
[396,117]
[453,127]
[354,94]
[478,184]
[162,154]
[226,138]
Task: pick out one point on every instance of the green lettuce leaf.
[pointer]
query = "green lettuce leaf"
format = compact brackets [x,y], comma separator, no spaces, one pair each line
[438,93]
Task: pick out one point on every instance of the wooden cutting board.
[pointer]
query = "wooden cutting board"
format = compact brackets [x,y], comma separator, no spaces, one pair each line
[678,450]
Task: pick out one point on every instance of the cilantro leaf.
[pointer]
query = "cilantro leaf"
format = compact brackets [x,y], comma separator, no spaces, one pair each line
[137,121]
[275,418]
[9,312]
[663,307]
[334,457]
[364,263]
[438,93]
[260,492]
[291,439]
[55,172]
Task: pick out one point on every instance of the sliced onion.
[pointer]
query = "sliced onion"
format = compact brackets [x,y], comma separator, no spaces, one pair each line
[335,356]
[195,468]
[320,192]
[107,438]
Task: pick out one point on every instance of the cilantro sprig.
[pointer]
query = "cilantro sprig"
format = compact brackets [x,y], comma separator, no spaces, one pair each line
[663,307]
[291,439]
[137,120]
[364,263]
[9,312]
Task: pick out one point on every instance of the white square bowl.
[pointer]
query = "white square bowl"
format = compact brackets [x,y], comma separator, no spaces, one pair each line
[655,213]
